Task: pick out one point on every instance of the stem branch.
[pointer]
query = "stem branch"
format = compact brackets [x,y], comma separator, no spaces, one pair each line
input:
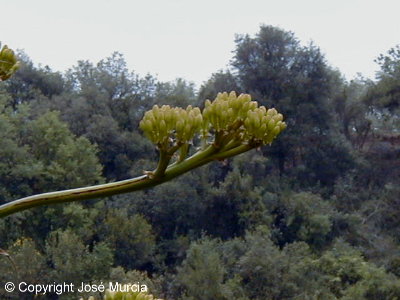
[162,174]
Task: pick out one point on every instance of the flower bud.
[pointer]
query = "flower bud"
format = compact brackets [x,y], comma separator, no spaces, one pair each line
[271,124]
[276,131]
[271,112]
[278,117]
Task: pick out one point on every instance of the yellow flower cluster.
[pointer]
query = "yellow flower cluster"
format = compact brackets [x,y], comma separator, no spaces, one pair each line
[230,116]
[8,63]
[226,110]
[164,124]
[263,125]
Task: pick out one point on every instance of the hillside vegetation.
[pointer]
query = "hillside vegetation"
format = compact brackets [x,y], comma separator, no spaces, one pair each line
[316,215]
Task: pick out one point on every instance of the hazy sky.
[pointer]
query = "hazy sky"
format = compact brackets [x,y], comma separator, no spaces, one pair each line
[193,39]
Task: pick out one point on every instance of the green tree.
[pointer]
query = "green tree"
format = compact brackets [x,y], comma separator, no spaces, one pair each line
[32,83]
[131,237]
[349,276]
[219,81]
[385,94]
[202,273]
[28,265]
[275,68]
[352,112]
[234,206]
[104,103]
[42,154]
[177,93]
[75,262]
[67,160]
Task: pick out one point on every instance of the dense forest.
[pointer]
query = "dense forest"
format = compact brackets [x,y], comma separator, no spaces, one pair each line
[315,215]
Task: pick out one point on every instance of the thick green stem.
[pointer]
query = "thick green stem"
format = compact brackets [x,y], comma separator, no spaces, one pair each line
[97,191]
[142,182]
[184,150]
[231,152]
[163,162]
[232,144]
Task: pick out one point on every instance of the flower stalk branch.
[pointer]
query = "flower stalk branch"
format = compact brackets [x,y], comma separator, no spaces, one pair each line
[236,123]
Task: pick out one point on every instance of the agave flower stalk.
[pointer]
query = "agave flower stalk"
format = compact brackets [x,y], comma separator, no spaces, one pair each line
[227,126]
